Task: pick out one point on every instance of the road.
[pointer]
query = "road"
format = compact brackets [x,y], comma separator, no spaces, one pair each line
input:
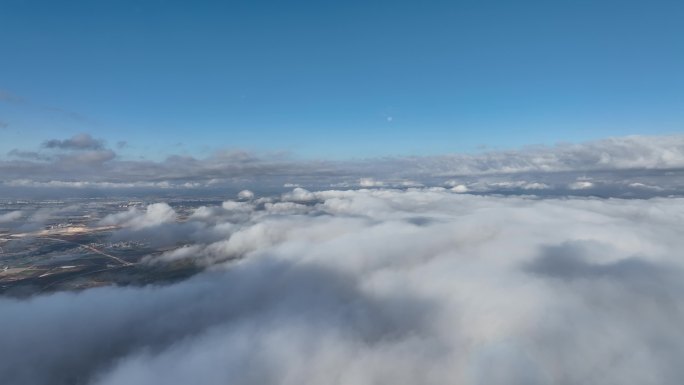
[94,250]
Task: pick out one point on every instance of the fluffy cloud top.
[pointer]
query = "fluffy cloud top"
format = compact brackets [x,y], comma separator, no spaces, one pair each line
[420,286]
[155,214]
[245,194]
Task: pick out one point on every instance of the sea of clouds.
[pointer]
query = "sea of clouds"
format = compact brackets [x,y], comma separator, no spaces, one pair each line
[626,166]
[376,286]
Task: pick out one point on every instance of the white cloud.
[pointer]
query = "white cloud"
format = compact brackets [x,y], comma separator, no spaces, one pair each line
[299,194]
[98,185]
[415,286]
[185,252]
[460,188]
[233,206]
[10,216]
[615,159]
[370,182]
[154,215]
[580,185]
[245,194]
[639,185]
[535,186]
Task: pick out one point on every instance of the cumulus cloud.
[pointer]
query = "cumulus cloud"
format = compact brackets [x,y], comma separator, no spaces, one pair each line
[581,185]
[76,142]
[412,286]
[370,182]
[154,215]
[299,195]
[535,186]
[245,194]
[34,218]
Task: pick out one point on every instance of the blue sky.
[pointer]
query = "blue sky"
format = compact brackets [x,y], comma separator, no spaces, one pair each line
[331,79]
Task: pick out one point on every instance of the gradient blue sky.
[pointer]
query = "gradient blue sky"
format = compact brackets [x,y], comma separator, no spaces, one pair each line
[334,79]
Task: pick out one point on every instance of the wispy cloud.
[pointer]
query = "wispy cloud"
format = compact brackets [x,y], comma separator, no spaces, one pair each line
[8,97]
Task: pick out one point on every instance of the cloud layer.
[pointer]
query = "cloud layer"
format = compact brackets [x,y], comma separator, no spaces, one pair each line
[637,165]
[415,286]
